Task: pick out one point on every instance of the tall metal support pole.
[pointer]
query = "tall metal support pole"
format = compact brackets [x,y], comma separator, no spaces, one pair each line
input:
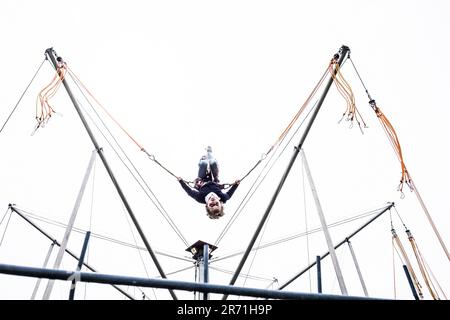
[284,285]
[52,55]
[80,264]
[319,275]
[326,233]
[363,284]
[411,284]
[204,264]
[62,248]
[59,244]
[38,282]
[343,51]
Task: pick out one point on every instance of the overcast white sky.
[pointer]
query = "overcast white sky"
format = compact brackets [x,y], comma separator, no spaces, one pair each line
[181,75]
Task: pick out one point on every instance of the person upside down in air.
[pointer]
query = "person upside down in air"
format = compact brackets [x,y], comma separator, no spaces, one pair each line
[207,187]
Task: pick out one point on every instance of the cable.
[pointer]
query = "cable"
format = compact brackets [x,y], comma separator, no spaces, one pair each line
[405,176]
[96,235]
[421,262]
[44,110]
[251,192]
[23,94]
[6,228]
[139,251]
[246,276]
[157,204]
[343,87]
[256,250]
[278,143]
[291,123]
[311,231]
[4,215]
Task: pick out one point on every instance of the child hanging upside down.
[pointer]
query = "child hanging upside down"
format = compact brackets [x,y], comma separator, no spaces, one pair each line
[207,188]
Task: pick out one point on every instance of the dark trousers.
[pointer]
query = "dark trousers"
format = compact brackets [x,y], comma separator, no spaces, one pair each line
[203,173]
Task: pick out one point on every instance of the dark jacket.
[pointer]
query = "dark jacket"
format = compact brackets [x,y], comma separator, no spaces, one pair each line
[199,195]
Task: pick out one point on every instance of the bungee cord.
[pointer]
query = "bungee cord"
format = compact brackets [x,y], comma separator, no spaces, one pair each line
[275,147]
[142,181]
[256,184]
[405,260]
[405,175]
[421,263]
[225,185]
[430,281]
[152,157]
[423,267]
[44,110]
[291,123]
[351,113]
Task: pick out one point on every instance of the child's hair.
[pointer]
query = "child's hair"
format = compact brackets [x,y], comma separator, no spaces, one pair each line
[214,213]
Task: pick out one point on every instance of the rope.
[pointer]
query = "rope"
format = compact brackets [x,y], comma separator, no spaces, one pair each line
[407,262]
[44,110]
[421,263]
[275,147]
[251,192]
[291,123]
[405,176]
[351,113]
[281,138]
[437,283]
[392,137]
[153,158]
[23,94]
[156,202]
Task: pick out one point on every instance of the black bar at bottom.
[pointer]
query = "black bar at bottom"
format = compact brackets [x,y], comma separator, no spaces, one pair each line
[167,284]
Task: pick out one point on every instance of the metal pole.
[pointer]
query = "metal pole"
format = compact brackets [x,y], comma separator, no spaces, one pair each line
[337,246]
[168,284]
[341,55]
[361,279]
[411,284]
[38,282]
[58,244]
[80,264]
[416,191]
[326,233]
[51,53]
[319,275]
[62,248]
[205,268]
